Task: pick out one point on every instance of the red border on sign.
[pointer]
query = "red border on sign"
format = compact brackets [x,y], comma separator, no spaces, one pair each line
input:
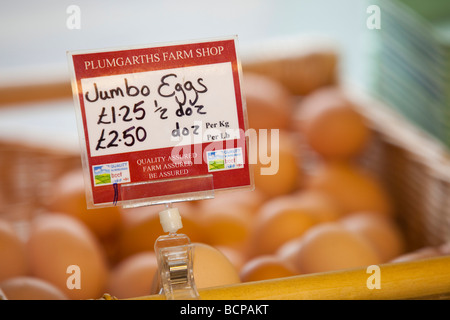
[116,62]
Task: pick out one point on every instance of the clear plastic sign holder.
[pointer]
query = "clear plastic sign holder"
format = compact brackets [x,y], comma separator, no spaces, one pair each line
[175,258]
[174,251]
[179,189]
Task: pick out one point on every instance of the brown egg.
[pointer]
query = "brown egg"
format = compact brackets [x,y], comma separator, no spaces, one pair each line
[445,248]
[279,220]
[212,267]
[351,187]
[419,254]
[235,255]
[381,231]
[265,267]
[226,226]
[319,204]
[13,260]
[288,252]
[69,197]
[64,252]
[269,103]
[331,124]
[249,201]
[133,276]
[283,173]
[329,246]
[30,288]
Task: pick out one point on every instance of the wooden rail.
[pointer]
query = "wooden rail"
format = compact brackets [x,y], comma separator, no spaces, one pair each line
[422,279]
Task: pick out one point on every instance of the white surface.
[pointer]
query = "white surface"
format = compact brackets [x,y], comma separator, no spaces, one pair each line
[33,34]
[48,125]
[170,220]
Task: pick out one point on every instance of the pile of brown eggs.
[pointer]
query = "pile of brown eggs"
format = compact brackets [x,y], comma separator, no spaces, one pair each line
[320,211]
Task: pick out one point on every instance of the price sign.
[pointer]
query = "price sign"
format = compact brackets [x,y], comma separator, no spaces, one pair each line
[164,113]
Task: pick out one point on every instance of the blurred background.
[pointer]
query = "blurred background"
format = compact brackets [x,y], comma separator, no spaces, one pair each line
[35,37]
[377,71]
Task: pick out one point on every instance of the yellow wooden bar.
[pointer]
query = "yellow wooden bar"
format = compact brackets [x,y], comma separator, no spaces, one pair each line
[404,280]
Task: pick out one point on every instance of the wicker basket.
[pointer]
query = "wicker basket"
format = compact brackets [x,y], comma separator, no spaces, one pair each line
[27,174]
[414,167]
